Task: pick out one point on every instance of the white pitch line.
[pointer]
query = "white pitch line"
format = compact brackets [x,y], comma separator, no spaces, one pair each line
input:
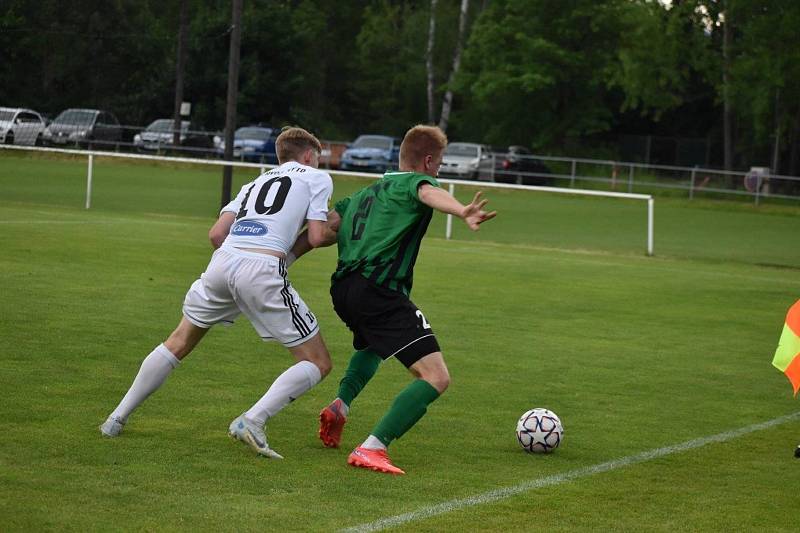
[507,492]
[105,221]
[50,222]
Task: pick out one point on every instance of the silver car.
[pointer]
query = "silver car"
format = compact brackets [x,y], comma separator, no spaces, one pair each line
[467,161]
[20,126]
[159,134]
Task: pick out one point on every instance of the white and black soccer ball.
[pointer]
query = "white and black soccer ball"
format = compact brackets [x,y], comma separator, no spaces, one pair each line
[539,431]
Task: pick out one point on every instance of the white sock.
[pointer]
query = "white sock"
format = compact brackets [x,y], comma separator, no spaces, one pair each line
[288,387]
[373,443]
[154,370]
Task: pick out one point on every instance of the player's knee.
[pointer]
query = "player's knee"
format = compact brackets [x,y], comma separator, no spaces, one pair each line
[439,380]
[322,362]
[325,366]
[440,383]
[177,346]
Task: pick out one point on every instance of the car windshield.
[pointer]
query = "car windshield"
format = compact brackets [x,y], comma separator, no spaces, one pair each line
[462,150]
[6,116]
[76,116]
[373,142]
[253,134]
[164,125]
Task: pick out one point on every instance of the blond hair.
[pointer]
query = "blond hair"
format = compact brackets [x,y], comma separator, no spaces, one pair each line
[293,142]
[421,141]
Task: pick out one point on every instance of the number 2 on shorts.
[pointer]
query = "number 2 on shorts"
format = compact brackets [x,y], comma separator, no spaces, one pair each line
[425,323]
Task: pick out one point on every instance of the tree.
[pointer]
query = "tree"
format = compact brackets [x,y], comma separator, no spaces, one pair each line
[447,101]
[765,79]
[180,69]
[390,88]
[429,63]
[535,72]
[660,53]
[112,55]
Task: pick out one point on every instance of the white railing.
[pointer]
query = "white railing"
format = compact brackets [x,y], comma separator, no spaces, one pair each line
[693,180]
[91,154]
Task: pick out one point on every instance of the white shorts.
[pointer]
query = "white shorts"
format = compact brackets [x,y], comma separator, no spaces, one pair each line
[237,281]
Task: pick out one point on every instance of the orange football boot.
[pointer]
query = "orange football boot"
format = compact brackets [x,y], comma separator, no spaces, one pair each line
[376,460]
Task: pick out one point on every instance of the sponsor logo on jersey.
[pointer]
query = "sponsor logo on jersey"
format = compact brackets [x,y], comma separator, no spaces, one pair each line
[248,228]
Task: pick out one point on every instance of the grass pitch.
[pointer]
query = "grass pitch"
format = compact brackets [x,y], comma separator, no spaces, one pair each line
[553,304]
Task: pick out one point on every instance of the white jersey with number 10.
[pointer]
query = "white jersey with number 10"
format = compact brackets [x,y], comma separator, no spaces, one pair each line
[271,210]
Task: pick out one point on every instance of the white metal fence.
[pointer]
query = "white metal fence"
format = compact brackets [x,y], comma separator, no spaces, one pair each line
[621,176]
[92,154]
[758,184]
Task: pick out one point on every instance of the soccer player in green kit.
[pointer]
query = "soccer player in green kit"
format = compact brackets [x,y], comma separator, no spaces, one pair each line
[380,229]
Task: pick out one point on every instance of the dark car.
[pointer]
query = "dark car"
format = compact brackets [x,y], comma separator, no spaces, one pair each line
[374,153]
[159,135]
[83,127]
[254,143]
[519,166]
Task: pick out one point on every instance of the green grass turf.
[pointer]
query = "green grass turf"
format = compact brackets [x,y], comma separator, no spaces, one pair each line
[553,304]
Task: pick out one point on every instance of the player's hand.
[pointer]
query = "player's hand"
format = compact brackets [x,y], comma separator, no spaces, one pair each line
[474,215]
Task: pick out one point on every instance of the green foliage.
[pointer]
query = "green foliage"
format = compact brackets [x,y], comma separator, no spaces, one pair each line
[104,54]
[660,53]
[537,71]
[767,66]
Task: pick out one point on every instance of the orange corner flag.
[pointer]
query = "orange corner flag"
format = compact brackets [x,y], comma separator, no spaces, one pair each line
[787,356]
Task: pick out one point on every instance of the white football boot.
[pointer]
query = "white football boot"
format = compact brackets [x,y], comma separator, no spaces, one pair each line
[247,432]
[112,427]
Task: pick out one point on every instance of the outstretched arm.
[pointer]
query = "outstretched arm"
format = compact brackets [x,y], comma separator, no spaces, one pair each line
[220,229]
[472,214]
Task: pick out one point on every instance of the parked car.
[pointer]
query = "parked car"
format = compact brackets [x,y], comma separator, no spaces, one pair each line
[83,127]
[159,135]
[376,153]
[21,126]
[521,167]
[254,143]
[467,161]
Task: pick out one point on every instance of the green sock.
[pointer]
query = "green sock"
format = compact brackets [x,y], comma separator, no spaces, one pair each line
[409,406]
[362,367]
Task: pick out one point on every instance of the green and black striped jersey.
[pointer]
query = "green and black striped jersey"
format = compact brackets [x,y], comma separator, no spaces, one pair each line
[381,230]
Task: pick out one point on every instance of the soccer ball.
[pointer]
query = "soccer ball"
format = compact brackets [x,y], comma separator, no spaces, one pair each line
[539,431]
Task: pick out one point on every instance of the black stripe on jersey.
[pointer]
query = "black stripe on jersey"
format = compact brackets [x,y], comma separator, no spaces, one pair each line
[423,227]
[376,267]
[414,236]
[375,272]
[288,301]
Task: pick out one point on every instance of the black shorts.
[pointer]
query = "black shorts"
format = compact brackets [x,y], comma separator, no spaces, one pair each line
[383,320]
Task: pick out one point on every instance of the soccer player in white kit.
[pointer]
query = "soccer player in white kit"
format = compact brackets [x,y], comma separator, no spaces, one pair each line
[247,274]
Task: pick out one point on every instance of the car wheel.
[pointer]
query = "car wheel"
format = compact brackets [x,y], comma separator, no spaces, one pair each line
[9,138]
[39,141]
